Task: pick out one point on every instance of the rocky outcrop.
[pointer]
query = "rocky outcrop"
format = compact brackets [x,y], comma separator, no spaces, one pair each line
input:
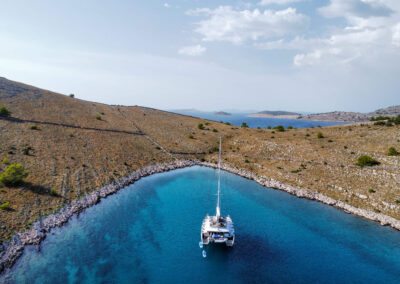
[12,250]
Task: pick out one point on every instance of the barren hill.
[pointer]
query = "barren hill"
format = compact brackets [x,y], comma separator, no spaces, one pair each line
[79,146]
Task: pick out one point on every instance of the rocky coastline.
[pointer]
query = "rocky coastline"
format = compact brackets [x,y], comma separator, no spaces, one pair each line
[12,250]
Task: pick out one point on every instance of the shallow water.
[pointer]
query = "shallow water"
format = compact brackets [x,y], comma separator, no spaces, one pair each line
[149,233]
[254,122]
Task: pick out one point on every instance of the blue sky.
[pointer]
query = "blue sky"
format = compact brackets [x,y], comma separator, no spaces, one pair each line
[298,55]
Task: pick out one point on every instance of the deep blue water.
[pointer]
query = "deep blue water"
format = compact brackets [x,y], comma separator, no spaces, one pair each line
[254,122]
[149,233]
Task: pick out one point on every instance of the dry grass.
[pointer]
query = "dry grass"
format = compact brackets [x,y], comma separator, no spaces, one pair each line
[76,161]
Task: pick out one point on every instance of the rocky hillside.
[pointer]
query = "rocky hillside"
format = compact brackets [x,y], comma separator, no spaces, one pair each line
[352,116]
[72,147]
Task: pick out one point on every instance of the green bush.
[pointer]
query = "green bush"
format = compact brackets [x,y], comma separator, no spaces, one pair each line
[290,127]
[393,152]
[244,125]
[200,126]
[279,128]
[227,123]
[71,95]
[397,120]
[371,190]
[320,135]
[4,111]
[34,127]
[13,175]
[191,136]
[98,117]
[214,130]
[246,161]
[5,206]
[379,123]
[214,149]
[269,127]
[5,161]
[53,192]
[366,160]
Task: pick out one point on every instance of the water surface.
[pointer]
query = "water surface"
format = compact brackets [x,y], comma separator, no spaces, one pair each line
[254,122]
[149,233]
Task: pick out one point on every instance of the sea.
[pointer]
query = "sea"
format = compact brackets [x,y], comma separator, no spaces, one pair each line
[149,232]
[237,119]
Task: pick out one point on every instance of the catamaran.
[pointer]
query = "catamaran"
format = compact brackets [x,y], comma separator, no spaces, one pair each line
[217,229]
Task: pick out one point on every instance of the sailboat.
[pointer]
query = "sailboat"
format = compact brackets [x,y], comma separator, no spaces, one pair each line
[217,229]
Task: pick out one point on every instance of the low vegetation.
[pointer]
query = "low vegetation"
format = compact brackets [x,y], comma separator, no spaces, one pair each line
[4,111]
[366,161]
[34,127]
[393,152]
[14,175]
[244,125]
[200,126]
[320,135]
[279,128]
[5,206]
[98,117]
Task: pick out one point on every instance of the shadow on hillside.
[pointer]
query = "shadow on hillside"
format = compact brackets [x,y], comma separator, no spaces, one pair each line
[38,189]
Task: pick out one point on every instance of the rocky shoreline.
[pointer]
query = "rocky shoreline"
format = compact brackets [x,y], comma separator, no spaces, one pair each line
[11,251]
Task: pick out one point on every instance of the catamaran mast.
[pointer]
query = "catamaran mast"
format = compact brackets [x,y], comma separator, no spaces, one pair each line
[218,213]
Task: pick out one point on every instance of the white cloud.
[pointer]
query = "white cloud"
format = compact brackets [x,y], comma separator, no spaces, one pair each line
[166,5]
[396,35]
[237,26]
[278,2]
[192,50]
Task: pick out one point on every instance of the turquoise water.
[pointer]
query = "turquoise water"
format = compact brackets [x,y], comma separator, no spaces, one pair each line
[149,233]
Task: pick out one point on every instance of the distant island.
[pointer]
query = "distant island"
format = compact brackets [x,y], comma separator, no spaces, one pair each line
[222,113]
[340,116]
[275,114]
[352,116]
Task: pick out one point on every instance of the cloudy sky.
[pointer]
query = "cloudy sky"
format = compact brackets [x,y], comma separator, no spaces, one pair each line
[298,55]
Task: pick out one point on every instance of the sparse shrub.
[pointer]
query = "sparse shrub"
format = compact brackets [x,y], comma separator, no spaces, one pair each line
[352,152]
[102,113]
[191,136]
[158,148]
[279,168]
[397,201]
[5,206]
[214,149]
[214,130]
[345,147]
[258,127]
[200,126]
[71,95]
[53,192]
[366,160]
[320,135]
[269,127]
[34,127]
[397,120]
[98,117]
[4,111]
[389,123]
[272,137]
[202,160]
[379,123]
[371,190]
[307,135]
[227,123]
[5,161]
[244,125]
[279,128]
[14,175]
[207,123]
[27,150]
[393,152]
[330,141]
[290,127]
[246,161]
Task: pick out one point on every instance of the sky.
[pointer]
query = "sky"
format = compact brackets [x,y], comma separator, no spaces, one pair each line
[295,55]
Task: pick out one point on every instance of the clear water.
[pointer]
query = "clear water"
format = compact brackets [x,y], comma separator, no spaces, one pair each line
[254,122]
[149,233]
